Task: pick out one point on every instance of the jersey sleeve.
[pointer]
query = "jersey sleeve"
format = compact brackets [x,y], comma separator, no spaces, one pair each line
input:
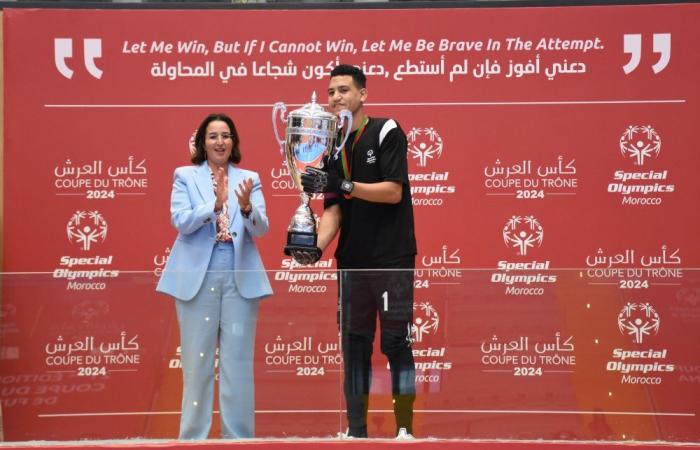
[393,150]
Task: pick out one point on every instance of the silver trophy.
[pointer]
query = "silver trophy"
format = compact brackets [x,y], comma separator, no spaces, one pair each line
[309,137]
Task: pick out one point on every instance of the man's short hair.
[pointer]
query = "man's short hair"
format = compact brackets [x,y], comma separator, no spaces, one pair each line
[357,75]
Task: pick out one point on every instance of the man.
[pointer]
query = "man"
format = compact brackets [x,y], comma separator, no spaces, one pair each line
[368,199]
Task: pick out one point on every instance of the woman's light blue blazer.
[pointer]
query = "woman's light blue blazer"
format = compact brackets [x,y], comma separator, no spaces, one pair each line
[192,214]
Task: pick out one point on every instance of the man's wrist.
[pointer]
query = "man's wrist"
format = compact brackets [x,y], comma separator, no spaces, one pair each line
[346,187]
[246,210]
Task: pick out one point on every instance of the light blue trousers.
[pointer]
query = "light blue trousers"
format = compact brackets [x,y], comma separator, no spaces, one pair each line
[218,313]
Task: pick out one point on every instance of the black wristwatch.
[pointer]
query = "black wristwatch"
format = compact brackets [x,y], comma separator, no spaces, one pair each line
[346,186]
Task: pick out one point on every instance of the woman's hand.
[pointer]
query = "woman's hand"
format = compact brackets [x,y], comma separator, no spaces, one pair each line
[243,194]
[221,191]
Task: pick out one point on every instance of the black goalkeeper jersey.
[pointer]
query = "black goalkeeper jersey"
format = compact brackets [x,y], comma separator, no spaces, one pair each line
[375,235]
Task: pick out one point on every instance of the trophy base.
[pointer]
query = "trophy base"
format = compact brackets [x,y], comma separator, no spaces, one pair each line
[300,240]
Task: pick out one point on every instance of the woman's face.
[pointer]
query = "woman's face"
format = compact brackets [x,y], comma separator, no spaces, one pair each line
[218,143]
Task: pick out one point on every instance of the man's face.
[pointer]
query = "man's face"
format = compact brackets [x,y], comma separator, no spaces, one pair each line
[344,94]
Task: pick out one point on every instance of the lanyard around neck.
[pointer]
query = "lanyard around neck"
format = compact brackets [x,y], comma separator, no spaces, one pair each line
[347,168]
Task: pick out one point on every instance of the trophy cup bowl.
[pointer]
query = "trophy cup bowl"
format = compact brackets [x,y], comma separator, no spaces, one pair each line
[310,134]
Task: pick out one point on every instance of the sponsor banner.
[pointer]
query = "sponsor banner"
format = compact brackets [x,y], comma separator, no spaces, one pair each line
[554,186]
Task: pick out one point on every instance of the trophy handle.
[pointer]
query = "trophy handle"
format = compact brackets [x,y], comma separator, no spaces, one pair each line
[344,122]
[279,106]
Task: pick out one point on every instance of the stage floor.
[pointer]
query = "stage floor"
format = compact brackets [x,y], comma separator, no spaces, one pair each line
[365,444]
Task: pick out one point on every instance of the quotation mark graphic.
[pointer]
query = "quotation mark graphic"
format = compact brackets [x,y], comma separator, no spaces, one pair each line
[633,46]
[63,49]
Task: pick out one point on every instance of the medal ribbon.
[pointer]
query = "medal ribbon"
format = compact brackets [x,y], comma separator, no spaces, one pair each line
[347,168]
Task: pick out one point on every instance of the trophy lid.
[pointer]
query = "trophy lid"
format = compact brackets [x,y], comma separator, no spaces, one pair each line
[311,110]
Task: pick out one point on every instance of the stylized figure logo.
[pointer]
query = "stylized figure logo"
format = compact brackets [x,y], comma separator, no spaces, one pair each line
[633,45]
[424,144]
[86,228]
[640,142]
[689,294]
[523,233]
[89,310]
[63,48]
[638,320]
[427,324]
[191,143]
[7,310]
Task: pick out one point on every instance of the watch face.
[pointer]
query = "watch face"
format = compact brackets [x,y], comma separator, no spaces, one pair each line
[346,186]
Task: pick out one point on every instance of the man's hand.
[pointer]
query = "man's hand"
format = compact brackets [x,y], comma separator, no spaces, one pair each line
[305,257]
[316,180]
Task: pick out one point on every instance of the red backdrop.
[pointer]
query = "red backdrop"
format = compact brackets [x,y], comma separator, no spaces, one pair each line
[555,187]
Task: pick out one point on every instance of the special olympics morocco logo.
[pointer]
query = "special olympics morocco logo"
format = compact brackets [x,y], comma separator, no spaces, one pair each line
[523,233]
[86,228]
[424,144]
[638,320]
[640,142]
[427,323]
[191,144]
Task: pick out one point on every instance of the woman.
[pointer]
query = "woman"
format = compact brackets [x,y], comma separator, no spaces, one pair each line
[217,278]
